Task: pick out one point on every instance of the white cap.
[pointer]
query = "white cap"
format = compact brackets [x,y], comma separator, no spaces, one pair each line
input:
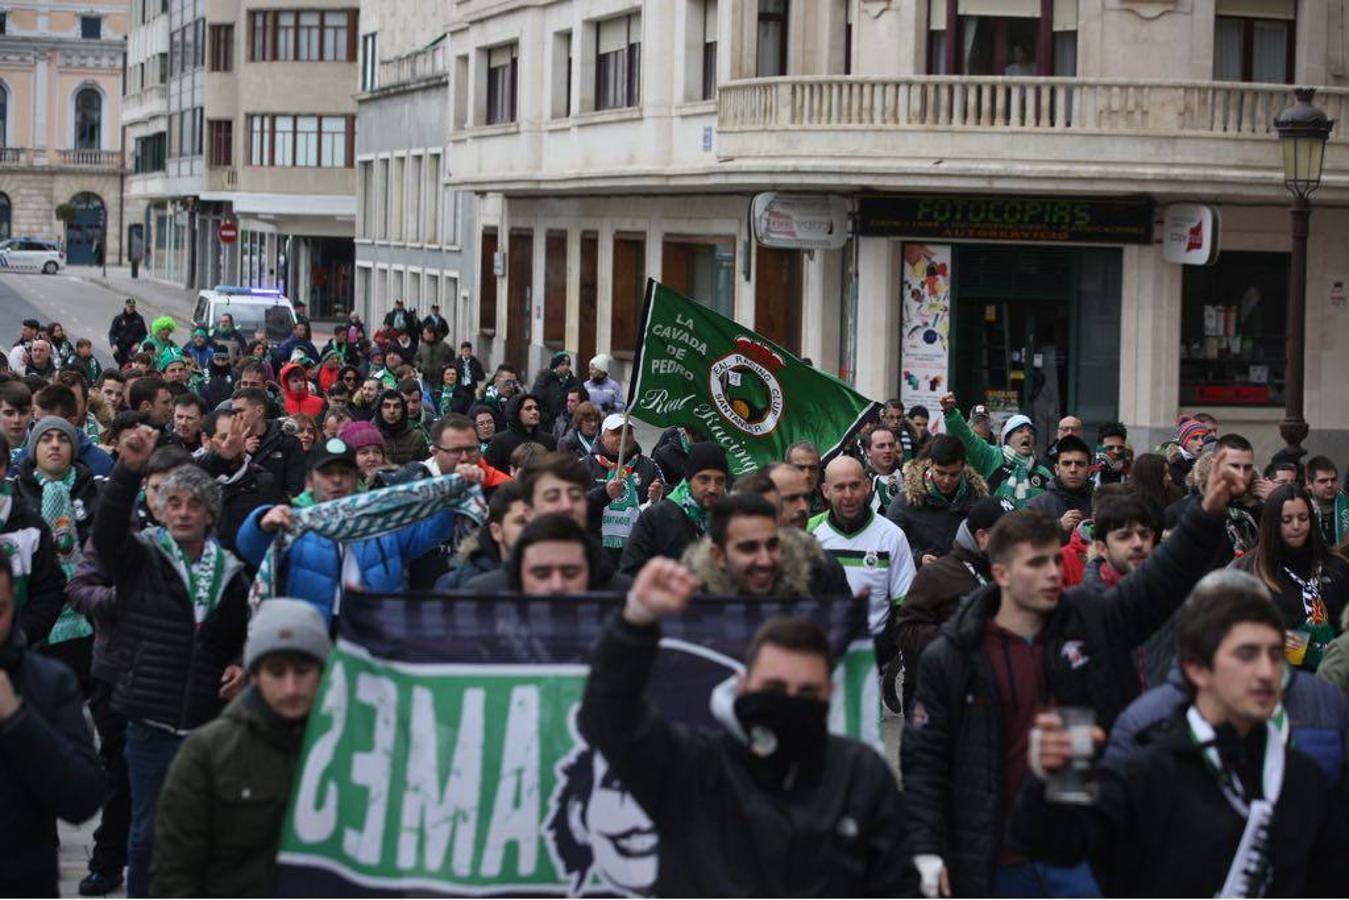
[613,422]
[602,362]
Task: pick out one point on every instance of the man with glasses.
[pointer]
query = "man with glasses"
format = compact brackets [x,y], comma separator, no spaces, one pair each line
[1068,496]
[454,449]
[806,459]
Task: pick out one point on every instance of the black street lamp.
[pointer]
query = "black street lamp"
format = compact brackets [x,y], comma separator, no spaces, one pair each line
[1303,131]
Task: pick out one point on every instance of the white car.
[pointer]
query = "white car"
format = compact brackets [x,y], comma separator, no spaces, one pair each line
[29,254]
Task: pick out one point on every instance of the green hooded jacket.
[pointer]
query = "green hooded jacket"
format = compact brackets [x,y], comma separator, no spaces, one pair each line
[1009,474]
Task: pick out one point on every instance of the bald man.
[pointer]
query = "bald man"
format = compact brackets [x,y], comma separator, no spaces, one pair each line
[872,549]
[1067,425]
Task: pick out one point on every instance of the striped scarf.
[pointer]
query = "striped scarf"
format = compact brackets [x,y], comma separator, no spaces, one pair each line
[367,515]
[58,511]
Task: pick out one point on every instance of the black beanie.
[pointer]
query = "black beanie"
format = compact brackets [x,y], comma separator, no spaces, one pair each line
[703,456]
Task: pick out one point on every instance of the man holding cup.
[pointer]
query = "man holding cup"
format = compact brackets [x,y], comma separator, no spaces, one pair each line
[1014,648]
[1217,802]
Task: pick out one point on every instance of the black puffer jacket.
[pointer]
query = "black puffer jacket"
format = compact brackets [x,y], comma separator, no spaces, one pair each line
[243,488]
[1057,500]
[39,583]
[952,752]
[173,674]
[283,456]
[663,529]
[928,520]
[503,443]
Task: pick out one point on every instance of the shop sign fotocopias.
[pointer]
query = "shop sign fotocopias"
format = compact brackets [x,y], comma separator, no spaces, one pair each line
[1008,218]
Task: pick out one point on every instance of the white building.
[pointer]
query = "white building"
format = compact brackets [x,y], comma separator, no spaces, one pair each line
[1028,147]
[244,111]
[410,227]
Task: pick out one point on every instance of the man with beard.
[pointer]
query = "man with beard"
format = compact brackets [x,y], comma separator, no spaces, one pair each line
[619,490]
[668,527]
[1010,470]
[1331,506]
[939,491]
[523,416]
[1068,497]
[830,803]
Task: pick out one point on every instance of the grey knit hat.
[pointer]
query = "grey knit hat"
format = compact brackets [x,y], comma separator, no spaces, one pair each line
[285,624]
[52,423]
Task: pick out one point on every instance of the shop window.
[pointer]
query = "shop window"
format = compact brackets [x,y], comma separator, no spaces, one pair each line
[771,49]
[1001,38]
[1233,326]
[702,268]
[629,277]
[618,62]
[502,67]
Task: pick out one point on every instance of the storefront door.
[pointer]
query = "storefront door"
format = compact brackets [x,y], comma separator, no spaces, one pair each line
[1013,357]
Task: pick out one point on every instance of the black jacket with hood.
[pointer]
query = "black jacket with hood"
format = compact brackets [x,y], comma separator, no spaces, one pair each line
[929,520]
[952,751]
[283,456]
[724,830]
[39,583]
[503,443]
[404,441]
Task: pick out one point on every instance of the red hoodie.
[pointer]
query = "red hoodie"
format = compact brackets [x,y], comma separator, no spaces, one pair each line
[300,401]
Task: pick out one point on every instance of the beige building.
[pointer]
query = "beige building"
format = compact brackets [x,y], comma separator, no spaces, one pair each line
[60,145]
[244,111]
[1007,166]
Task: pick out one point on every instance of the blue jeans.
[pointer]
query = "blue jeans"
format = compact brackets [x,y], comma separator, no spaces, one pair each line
[1032,879]
[149,751]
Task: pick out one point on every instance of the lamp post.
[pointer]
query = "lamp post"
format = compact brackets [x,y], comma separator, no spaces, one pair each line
[1303,130]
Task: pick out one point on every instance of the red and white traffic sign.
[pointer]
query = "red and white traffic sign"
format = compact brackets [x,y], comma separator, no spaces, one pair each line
[228,232]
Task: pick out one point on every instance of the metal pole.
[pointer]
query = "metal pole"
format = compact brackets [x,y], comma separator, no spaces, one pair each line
[1294,428]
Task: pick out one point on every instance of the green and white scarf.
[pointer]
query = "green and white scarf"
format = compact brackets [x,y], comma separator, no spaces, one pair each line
[58,511]
[204,579]
[367,515]
[92,428]
[1339,519]
[684,499]
[621,513]
[1251,869]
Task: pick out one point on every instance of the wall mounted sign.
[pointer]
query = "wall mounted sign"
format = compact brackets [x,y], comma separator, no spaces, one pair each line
[1008,218]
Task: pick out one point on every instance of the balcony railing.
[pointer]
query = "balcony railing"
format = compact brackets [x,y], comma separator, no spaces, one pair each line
[100,159]
[1083,105]
[40,156]
[425,63]
[145,101]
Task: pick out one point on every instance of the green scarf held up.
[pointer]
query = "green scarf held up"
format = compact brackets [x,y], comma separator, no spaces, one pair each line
[58,511]
[682,496]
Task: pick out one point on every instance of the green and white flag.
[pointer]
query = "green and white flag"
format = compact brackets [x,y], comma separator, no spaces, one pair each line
[698,368]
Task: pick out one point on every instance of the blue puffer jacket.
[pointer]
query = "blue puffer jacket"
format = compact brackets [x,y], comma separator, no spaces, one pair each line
[1318,719]
[313,564]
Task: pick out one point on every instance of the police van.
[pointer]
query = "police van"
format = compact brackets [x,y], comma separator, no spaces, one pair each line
[253,310]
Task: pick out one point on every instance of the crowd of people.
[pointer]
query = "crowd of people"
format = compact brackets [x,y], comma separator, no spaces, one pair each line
[1187,600]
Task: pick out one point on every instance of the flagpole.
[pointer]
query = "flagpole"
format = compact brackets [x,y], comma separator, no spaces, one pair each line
[622,446]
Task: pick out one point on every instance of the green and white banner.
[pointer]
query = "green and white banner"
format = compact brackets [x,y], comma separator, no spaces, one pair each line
[443,756]
[698,368]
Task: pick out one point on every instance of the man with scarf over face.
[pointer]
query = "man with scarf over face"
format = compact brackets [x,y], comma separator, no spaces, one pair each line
[50,769]
[771,804]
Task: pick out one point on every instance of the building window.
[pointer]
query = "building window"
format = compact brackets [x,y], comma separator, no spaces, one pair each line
[6,211]
[222,48]
[1009,43]
[4,116]
[502,63]
[222,142]
[88,119]
[618,62]
[149,153]
[369,61]
[1253,50]
[175,53]
[300,140]
[301,35]
[163,74]
[198,130]
[199,43]
[91,27]
[770,59]
[365,198]
[560,98]
[3,24]
[1233,326]
[709,50]
[702,268]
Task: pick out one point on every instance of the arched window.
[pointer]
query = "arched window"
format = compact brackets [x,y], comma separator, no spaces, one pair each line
[88,119]
[4,117]
[4,215]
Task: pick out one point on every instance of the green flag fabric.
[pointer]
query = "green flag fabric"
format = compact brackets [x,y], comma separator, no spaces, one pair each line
[698,368]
